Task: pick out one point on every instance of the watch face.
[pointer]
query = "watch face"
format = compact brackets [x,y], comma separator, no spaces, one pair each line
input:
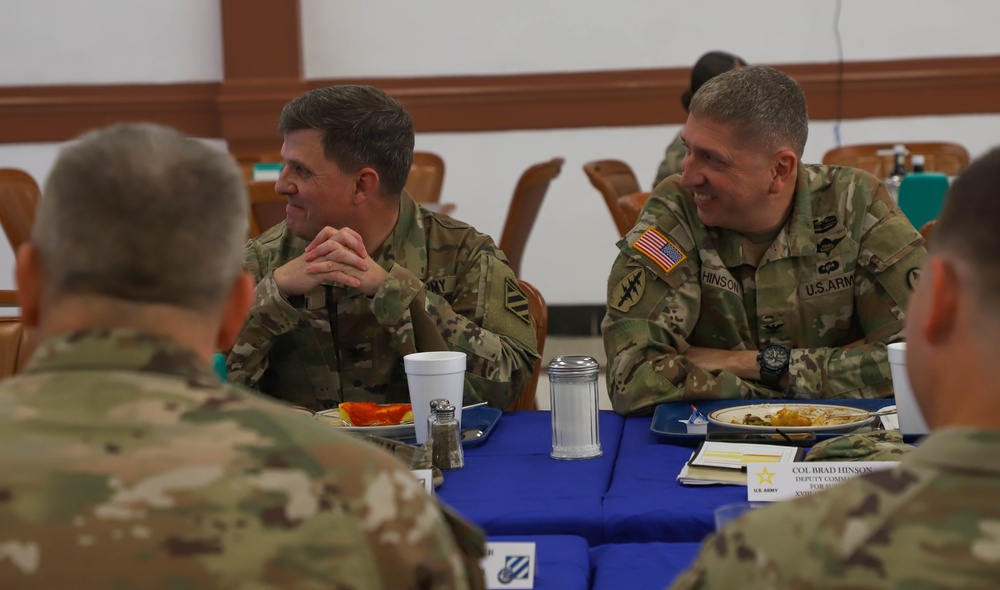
[775,357]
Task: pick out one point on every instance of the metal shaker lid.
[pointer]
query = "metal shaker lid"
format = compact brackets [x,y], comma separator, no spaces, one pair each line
[573,365]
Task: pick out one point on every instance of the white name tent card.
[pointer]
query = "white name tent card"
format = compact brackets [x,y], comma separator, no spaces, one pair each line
[773,482]
[509,565]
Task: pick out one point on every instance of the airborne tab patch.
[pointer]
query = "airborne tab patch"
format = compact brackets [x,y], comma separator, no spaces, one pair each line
[517,301]
[659,249]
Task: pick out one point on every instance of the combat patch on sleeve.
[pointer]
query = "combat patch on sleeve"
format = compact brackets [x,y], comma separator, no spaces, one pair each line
[629,290]
[659,249]
[517,301]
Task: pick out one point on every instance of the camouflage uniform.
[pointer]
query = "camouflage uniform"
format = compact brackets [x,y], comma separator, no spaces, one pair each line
[449,288]
[841,269]
[671,163]
[126,464]
[933,522]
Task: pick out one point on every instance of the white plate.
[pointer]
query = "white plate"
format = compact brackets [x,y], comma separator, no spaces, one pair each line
[725,417]
[391,431]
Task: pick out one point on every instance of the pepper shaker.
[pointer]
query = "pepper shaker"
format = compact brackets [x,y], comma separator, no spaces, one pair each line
[446,437]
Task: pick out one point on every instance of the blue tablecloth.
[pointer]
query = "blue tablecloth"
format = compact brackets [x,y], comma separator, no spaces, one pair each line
[511,486]
[562,561]
[640,566]
[646,504]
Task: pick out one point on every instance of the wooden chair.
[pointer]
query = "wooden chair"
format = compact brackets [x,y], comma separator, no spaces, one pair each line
[524,206]
[631,205]
[526,400]
[16,345]
[426,177]
[267,208]
[877,158]
[613,178]
[19,195]
[927,230]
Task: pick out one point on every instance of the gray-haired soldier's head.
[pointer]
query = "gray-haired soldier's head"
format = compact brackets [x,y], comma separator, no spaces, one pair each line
[138,212]
[764,106]
[362,126]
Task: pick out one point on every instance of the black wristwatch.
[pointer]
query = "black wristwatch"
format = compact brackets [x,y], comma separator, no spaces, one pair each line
[773,361]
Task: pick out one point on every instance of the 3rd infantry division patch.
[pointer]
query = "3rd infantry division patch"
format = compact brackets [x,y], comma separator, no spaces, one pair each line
[517,301]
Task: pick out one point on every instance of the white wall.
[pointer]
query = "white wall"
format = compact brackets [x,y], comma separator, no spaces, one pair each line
[572,245]
[344,38]
[109,41]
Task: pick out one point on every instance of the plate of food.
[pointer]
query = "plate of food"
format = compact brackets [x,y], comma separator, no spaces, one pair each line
[797,417]
[386,420]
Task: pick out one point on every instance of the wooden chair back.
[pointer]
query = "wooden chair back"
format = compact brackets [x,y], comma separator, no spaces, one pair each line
[877,158]
[613,178]
[631,205]
[16,345]
[267,208]
[526,400]
[523,211]
[19,196]
[426,177]
[927,230]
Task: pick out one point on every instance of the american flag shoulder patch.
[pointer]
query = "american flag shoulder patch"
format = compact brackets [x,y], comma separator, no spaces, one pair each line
[659,249]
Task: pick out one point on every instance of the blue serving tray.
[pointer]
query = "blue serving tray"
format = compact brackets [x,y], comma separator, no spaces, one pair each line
[484,418]
[666,417]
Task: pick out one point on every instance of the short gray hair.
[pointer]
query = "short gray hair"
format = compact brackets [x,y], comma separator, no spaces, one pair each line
[764,106]
[141,213]
[362,126]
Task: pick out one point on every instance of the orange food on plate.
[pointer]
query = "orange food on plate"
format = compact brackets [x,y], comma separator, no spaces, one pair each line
[373,414]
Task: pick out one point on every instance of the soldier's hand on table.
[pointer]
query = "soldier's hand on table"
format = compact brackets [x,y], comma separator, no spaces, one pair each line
[742,363]
[334,256]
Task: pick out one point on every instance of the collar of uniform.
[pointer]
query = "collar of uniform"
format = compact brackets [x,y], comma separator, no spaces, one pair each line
[405,244]
[798,239]
[119,349]
[960,448]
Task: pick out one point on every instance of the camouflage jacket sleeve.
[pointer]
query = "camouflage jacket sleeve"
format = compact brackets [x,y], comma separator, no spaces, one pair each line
[650,316]
[486,318]
[671,163]
[891,253]
[270,316]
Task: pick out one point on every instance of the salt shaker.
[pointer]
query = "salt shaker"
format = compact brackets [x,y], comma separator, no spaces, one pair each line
[445,437]
[573,390]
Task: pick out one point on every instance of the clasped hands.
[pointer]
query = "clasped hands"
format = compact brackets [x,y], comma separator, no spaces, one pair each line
[334,256]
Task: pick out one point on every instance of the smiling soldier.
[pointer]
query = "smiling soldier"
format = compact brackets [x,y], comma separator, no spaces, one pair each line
[761,277]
